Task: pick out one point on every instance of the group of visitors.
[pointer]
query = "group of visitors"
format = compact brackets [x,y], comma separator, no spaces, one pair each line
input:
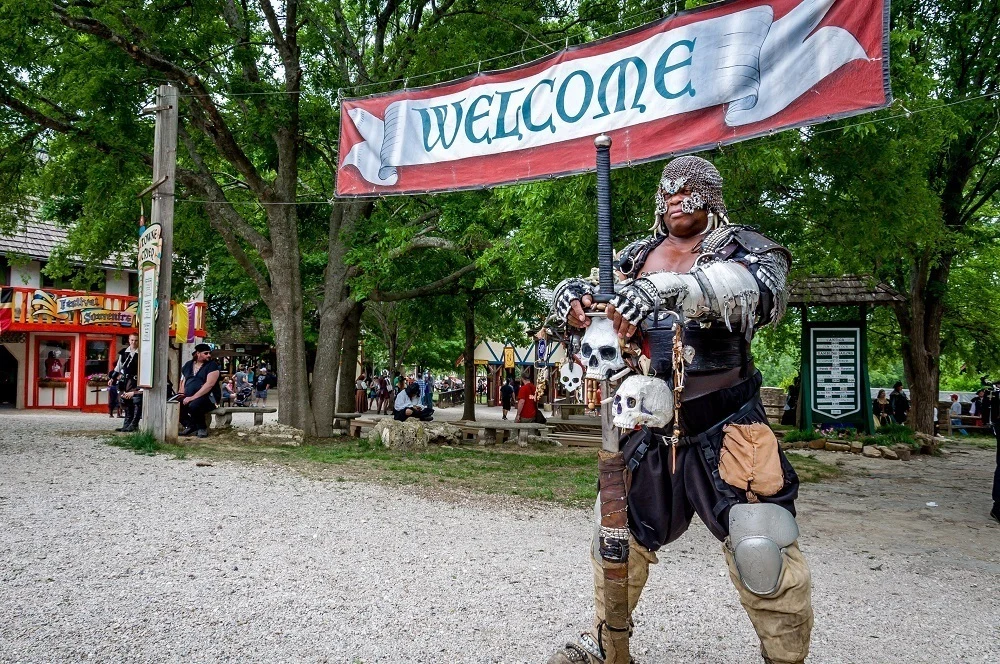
[402,397]
[892,409]
[247,388]
[527,400]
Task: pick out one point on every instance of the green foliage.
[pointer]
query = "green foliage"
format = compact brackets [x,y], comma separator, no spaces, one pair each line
[140,442]
[798,435]
[893,434]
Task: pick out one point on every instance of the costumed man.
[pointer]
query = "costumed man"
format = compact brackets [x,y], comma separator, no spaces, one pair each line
[126,378]
[728,468]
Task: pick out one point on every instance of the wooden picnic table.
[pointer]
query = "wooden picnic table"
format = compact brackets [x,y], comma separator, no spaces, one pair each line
[565,410]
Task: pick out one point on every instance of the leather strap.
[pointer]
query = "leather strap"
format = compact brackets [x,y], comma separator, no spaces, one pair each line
[696,385]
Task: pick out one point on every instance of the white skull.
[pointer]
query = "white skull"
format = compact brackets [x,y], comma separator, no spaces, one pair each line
[601,352]
[571,376]
[643,400]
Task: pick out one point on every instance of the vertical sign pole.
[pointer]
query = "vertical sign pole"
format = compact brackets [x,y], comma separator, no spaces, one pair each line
[154,407]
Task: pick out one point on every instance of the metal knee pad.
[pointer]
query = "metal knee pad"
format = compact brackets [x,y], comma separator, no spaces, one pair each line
[758,533]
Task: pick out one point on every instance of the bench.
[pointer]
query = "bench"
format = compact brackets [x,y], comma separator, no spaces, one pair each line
[224,416]
[576,439]
[493,430]
[356,422]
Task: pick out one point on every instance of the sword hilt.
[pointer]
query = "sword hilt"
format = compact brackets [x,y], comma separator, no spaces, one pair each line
[605,252]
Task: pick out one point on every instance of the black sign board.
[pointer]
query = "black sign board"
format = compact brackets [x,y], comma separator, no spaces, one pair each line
[835,375]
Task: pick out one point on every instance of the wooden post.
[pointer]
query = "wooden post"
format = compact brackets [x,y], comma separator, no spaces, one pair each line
[154,403]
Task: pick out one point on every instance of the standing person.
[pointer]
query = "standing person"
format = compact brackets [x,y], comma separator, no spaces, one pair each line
[113,401]
[262,385]
[126,379]
[882,409]
[727,465]
[527,410]
[383,395]
[976,407]
[240,379]
[507,396]
[956,414]
[361,395]
[791,403]
[427,398]
[408,405]
[200,387]
[899,403]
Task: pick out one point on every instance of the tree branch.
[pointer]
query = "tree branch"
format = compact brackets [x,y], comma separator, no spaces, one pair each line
[433,288]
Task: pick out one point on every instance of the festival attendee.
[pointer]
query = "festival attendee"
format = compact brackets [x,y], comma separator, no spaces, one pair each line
[882,409]
[899,403]
[507,396]
[240,380]
[408,405]
[383,395]
[427,396]
[788,415]
[113,400]
[227,393]
[361,395]
[976,407]
[263,384]
[956,414]
[527,408]
[729,280]
[131,395]
[200,389]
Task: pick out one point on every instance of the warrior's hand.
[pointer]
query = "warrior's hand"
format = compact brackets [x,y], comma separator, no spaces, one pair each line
[631,305]
[570,299]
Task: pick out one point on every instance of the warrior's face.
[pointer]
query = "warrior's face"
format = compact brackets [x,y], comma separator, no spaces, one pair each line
[679,221]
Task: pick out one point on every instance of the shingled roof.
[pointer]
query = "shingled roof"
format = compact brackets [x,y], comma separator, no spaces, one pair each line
[846,290]
[39,239]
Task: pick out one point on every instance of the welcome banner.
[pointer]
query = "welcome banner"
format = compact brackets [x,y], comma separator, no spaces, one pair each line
[699,79]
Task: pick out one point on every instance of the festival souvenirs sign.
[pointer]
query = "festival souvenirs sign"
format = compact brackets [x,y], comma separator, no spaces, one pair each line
[150,247]
[698,79]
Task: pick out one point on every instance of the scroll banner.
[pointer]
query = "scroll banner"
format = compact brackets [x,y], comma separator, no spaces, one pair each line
[696,80]
[150,250]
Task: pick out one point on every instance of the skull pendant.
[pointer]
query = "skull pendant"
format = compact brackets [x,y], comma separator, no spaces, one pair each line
[643,400]
[600,350]
[571,377]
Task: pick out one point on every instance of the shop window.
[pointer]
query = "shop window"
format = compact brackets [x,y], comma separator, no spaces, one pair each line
[98,357]
[54,359]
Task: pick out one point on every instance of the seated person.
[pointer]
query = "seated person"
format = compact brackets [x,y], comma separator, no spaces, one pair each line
[408,405]
[227,393]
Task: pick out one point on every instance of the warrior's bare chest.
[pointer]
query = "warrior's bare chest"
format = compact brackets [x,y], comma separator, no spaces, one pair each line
[670,258]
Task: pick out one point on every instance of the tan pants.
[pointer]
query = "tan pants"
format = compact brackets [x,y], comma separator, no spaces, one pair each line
[783,620]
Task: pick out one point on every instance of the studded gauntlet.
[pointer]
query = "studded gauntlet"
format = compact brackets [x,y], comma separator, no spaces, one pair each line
[567,291]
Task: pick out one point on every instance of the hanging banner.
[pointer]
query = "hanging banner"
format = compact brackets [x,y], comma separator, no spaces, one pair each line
[150,248]
[696,80]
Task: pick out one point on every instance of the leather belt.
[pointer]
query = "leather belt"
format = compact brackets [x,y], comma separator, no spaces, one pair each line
[698,385]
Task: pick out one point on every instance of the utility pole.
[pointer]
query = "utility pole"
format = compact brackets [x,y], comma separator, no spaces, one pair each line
[155,407]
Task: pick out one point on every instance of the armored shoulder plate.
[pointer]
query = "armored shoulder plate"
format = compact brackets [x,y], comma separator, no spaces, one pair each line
[743,237]
[631,259]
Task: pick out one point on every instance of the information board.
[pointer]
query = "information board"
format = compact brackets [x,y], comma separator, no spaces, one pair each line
[836,375]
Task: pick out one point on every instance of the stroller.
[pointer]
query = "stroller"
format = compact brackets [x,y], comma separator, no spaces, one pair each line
[243,397]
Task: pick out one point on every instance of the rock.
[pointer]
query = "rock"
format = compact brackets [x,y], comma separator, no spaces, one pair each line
[857,446]
[903,451]
[888,453]
[818,444]
[837,447]
[413,434]
[871,451]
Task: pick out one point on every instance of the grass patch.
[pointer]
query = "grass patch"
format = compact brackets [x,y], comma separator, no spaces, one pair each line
[810,469]
[893,434]
[982,442]
[798,435]
[143,442]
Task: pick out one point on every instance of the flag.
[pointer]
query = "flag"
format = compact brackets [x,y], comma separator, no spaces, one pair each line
[180,317]
[6,308]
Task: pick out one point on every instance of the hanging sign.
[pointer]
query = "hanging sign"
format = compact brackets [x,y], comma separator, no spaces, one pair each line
[150,248]
[508,357]
[696,80]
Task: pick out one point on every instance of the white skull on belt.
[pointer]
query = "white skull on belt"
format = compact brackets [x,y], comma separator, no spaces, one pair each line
[600,351]
[643,400]
[571,376]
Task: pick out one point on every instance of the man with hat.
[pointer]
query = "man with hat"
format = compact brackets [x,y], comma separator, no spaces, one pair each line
[200,391]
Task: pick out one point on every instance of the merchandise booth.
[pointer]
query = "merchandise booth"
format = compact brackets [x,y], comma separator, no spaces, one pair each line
[62,344]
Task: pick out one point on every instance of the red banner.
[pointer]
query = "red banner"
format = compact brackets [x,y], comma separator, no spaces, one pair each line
[696,80]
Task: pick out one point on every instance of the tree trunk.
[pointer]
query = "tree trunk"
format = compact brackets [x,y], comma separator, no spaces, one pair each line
[349,360]
[287,314]
[920,324]
[469,411]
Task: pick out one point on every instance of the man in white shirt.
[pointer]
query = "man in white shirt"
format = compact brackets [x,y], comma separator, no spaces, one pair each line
[408,405]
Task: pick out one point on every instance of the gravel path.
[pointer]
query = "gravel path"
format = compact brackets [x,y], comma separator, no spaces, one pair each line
[111,556]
